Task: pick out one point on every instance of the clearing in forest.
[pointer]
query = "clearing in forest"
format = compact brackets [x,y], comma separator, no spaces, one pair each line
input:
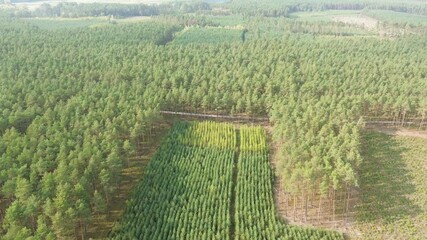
[393,190]
[358,20]
[209,181]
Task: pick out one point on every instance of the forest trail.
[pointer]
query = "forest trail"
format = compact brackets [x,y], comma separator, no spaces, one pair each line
[404,132]
[234,183]
[380,126]
[218,116]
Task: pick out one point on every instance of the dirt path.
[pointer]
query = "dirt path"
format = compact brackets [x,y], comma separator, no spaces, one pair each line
[236,118]
[399,131]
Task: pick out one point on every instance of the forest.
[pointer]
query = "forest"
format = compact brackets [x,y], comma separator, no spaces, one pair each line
[80,101]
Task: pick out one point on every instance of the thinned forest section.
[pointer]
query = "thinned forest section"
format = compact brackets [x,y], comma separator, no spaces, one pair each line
[319,159]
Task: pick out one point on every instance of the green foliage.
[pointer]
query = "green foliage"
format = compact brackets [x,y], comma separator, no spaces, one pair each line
[66,162]
[393,187]
[29,88]
[76,103]
[56,23]
[263,27]
[96,9]
[275,8]
[325,16]
[208,135]
[399,18]
[186,188]
[255,213]
[227,20]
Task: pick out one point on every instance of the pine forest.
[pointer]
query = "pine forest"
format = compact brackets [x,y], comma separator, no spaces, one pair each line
[213,119]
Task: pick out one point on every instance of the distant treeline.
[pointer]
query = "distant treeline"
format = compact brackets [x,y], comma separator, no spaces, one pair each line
[277,8]
[20,1]
[75,10]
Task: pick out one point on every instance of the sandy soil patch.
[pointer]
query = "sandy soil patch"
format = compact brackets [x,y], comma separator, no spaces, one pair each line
[359,20]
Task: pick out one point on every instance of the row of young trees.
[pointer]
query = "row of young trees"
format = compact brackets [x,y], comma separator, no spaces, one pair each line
[209,134]
[186,189]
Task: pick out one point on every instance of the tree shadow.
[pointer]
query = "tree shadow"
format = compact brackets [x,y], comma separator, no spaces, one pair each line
[385,182]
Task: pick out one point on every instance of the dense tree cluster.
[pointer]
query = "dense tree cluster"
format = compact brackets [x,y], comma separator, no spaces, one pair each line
[75,104]
[210,35]
[67,164]
[320,151]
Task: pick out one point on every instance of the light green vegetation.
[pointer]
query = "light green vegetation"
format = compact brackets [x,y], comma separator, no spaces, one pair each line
[326,16]
[255,210]
[187,191]
[71,23]
[66,23]
[393,195]
[381,15]
[397,17]
[77,104]
[269,27]
[283,8]
[227,20]
[208,35]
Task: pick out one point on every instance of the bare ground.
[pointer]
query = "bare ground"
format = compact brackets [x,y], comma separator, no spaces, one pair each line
[405,132]
[294,214]
[359,20]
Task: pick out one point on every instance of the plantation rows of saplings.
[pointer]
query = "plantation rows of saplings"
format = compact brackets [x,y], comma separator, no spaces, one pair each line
[187,189]
[66,110]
